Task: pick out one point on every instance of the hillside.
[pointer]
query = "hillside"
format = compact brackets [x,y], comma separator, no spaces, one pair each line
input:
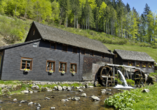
[150,51]
[14,30]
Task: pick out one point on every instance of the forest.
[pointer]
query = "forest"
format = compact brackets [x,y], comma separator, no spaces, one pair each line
[112,17]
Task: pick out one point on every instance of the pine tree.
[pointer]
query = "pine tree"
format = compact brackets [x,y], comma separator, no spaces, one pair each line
[128,7]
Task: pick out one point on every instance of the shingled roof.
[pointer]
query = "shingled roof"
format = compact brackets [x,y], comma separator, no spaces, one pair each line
[61,36]
[133,55]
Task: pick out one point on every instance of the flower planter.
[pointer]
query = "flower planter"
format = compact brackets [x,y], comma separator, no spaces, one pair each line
[26,70]
[73,73]
[63,72]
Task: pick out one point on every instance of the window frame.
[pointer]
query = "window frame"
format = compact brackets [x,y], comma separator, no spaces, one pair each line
[31,63]
[75,69]
[53,65]
[63,45]
[76,49]
[54,45]
[83,51]
[65,66]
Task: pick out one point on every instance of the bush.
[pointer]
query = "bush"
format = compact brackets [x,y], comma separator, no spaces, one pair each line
[145,45]
[130,82]
[13,29]
[123,100]
[118,81]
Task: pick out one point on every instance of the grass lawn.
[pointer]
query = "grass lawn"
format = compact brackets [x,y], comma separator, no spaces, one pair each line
[148,100]
[150,51]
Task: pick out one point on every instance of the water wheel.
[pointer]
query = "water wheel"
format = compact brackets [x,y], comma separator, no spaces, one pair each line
[106,76]
[139,77]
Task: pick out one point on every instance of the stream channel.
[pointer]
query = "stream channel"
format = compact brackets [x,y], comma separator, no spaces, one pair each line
[85,103]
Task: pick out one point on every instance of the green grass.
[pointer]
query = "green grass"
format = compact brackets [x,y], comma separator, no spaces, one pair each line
[10,82]
[148,100]
[150,51]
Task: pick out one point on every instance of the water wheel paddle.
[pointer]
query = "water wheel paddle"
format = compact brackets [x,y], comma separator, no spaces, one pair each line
[139,77]
[106,76]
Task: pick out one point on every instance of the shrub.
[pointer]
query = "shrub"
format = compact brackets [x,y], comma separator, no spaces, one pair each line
[118,81]
[123,100]
[144,44]
[130,82]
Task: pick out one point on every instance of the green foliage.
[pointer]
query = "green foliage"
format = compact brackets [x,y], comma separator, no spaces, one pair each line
[120,24]
[118,81]
[9,82]
[153,74]
[123,100]
[130,82]
[13,29]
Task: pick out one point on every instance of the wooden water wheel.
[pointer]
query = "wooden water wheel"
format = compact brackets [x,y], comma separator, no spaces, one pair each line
[139,77]
[106,76]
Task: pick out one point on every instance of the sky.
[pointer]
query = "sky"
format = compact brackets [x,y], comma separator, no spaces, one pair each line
[140,5]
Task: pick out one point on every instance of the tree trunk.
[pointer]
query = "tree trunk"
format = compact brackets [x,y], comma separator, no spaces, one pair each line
[15,10]
[86,23]
[74,20]
[77,22]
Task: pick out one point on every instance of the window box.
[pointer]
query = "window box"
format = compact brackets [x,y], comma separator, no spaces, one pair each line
[50,71]
[137,65]
[63,72]
[73,73]
[144,66]
[26,70]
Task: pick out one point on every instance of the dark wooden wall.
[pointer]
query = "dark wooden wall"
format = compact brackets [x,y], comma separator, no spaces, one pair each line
[117,59]
[31,35]
[146,69]
[120,61]
[89,60]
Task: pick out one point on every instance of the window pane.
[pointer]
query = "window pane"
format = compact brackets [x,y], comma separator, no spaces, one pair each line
[53,45]
[73,67]
[28,64]
[48,66]
[74,50]
[51,65]
[60,68]
[63,66]
[23,64]
[64,48]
